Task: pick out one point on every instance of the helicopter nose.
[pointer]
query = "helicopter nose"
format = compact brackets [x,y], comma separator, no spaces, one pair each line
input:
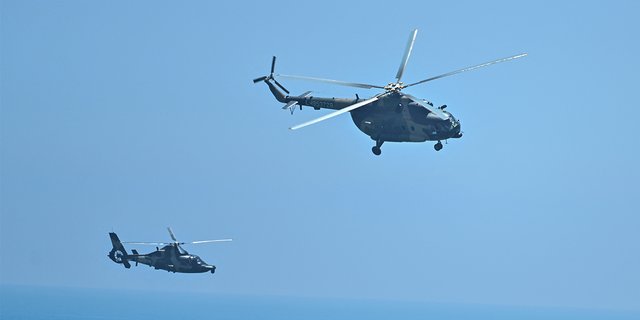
[458,132]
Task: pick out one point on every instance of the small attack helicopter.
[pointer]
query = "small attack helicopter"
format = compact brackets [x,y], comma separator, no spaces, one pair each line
[171,257]
[388,116]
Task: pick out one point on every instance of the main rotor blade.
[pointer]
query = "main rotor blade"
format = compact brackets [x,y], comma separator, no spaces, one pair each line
[435,111]
[467,69]
[208,241]
[171,233]
[407,52]
[341,83]
[166,243]
[273,64]
[341,111]
[153,243]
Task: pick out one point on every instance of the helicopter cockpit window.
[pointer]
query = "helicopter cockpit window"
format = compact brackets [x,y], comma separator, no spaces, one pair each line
[454,122]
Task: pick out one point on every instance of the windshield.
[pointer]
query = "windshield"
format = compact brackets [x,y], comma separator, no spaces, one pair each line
[198,260]
[454,122]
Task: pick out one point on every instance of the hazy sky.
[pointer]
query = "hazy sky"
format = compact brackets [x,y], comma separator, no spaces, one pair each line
[132,117]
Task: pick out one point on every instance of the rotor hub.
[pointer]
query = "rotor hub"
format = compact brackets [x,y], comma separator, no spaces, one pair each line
[394,87]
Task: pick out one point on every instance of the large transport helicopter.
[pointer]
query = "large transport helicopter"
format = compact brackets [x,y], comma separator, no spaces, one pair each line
[392,115]
[172,257]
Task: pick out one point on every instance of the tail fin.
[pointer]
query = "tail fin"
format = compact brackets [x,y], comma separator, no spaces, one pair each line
[118,254]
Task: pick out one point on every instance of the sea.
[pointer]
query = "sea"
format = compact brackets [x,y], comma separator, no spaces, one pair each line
[33,302]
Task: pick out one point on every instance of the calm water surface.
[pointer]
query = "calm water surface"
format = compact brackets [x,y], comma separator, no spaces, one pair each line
[26,302]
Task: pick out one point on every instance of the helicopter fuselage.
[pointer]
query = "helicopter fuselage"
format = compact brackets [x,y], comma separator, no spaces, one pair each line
[394,117]
[172,258]
[389,116]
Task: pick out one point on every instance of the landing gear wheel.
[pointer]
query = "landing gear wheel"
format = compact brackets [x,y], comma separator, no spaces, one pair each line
[438,146]
[376,150]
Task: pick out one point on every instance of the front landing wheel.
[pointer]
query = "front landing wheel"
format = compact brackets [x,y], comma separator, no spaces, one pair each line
[376,150]
[438,146]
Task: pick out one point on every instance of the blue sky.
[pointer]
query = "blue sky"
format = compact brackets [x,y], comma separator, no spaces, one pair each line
[133,117]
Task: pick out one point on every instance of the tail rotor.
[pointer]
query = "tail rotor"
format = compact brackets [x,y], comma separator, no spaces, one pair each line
[118,253]
[270,76]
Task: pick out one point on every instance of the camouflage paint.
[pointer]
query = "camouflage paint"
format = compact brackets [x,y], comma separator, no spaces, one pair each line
[393,118]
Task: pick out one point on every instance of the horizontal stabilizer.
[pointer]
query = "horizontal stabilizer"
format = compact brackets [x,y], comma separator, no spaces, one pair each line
[294,102]
[289,105]
[306,94]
